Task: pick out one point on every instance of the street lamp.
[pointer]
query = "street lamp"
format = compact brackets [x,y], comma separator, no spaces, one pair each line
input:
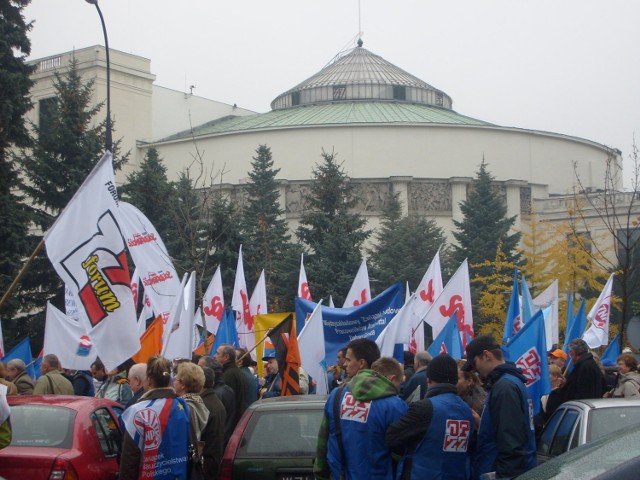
[108,140]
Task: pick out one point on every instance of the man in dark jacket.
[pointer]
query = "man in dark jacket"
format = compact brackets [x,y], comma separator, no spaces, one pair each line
[213,434]
[232,376]
[223,392]
[419,378]
[506,438]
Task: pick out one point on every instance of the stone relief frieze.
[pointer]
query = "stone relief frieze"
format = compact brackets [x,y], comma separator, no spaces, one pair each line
[295,198]
[370,197]
[525,200]
[429,197]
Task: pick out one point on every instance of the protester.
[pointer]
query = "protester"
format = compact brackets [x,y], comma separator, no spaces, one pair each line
[82,383]
[470,390]
[506,440]
[188,383]
[356,416]
[224,393]
[233,377]
[136,377]
[338,372]
[549,403]
[214,431]
[156,429]
[628,385]
[52,381]
[419,379]
[16,372]
[244,363]
[557,357]
[433,436]
[408,364]
[11,388]
[270,383]
[114,383]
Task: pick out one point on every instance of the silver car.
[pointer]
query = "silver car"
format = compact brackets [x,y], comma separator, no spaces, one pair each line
[578,422]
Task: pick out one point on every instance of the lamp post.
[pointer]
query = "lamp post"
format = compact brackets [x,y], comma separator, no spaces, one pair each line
[108,140]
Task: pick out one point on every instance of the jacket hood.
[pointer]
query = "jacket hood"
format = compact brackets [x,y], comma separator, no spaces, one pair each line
[370,385]
[199,412]
[500,370]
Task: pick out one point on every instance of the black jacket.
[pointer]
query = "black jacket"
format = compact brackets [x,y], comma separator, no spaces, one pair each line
[584,381]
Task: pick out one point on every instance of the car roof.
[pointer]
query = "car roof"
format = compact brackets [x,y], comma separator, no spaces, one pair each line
[594,403]
[282,403]
[70,401]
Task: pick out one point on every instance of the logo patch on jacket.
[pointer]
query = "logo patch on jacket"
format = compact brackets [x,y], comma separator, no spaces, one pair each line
[456,436]
[354,410]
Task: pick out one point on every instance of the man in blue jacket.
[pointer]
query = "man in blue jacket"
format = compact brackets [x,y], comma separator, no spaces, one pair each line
[506,440]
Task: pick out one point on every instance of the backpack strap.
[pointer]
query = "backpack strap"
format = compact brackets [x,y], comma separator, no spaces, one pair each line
[50,384]
[336,421]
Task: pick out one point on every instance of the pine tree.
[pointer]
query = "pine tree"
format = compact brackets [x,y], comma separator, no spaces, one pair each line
[404,246]
[332,233]
[15,83]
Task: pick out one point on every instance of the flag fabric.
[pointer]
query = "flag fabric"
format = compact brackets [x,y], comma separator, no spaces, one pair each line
[285,342]
[240,304]
[428,290]
[205,347]
[257,306]
[87,249]
[610,356]
[513,322]
[150,341]
[455,298]
[526,304]
[312,353]
[397,331]
[22,351]
[178,341]
[599,315]
[549,298]
[262,324]
[360,291]
[577,327]
[227,332]
[1,340]
[528,350]
[448,341]
[303,284]
[153,263]
[331,305]
[68,340]
[71,306]
[213,303]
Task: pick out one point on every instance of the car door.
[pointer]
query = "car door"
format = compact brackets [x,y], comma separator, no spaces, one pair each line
[109,437]
[560,434]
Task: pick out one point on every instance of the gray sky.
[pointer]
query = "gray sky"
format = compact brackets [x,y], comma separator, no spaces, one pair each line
[565,66]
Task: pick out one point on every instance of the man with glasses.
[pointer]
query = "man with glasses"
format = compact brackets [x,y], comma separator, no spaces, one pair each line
[506,439]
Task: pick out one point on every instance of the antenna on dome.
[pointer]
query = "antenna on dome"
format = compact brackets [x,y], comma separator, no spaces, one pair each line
[359,25]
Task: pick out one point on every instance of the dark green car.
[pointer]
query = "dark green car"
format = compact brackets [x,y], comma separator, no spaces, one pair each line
[275,440]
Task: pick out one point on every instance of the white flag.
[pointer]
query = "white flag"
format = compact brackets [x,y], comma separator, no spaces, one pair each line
[71,306]
[1,341]
[303,284]
[428,290]
[87,249]
[257,306]
[312,352]
[240,304]
[549,298]
[598,332]
[213,303]
[178,338]
[153,264]
[360,292]
[68,340]
[398,330]
[455,297]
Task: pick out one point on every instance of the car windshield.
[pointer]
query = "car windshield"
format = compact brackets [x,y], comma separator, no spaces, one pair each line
[41,426]
[281,433]
[603,421]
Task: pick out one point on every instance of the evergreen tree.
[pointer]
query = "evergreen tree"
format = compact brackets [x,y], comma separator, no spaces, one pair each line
[404,246]
[333,234]
[15,83]
[265,232]
[484,226]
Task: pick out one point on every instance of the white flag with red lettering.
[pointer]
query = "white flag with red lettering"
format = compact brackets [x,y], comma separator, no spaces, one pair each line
[303,284]
[257,306]
[68,340]
[598,332]
[240,304]
[360,292]
[455,297]
[429,289]
[213,303]
[87,249]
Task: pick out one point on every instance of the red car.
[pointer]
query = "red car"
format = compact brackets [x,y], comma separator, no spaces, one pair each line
[62,437]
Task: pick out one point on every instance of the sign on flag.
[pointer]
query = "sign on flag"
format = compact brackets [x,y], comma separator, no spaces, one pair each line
[599,315]
[213,303]
[87,249]
[360,292]
[303,284]
[240,304]
[428,290]
[311,345]
[68,340]
[448,341]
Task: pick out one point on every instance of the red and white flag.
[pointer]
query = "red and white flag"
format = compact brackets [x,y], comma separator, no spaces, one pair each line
[257,306]
[68,340]
[360,292]
[598,332]
[213,303]
[428,290]
[87,249]
[398,330]
[455,297]
[153,264]
[240,304]
[303,284]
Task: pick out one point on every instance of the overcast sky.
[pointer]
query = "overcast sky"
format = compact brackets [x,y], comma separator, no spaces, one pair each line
[565,66]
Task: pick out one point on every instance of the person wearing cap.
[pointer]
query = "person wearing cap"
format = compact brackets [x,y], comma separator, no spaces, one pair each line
[433,436]
[270,384]
[557,357]
[506,439]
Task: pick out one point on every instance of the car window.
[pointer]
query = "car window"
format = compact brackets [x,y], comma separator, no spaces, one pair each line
[562,437]
[280,433]
[575,438]
[544,443]
[42,426]
[107,431]
[603,421]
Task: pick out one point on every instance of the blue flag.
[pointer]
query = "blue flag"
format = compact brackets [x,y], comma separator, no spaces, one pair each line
[22,351]
[513,323]
[577,327]
[528,350]
[448,340]
[227,332]
[527,301]
[610,356]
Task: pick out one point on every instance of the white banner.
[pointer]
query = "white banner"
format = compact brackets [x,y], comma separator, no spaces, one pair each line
[240,304]
[598,332]
[303,284]
[68,340]
[178,338]
[213,303]
[429,289]
[87,249]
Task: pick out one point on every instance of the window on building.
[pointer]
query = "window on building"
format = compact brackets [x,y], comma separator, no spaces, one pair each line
[439,99]
[399,92]
[339,92]
[295,99]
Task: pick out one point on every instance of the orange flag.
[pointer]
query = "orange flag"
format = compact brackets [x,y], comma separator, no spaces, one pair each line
[205,347]
[150,342]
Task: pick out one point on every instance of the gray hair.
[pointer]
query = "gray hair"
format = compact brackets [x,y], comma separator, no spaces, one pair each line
[578,346]
[423,358]
[18,364]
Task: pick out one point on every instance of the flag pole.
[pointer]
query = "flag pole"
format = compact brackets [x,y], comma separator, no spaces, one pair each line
[21,273]
[256,345]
